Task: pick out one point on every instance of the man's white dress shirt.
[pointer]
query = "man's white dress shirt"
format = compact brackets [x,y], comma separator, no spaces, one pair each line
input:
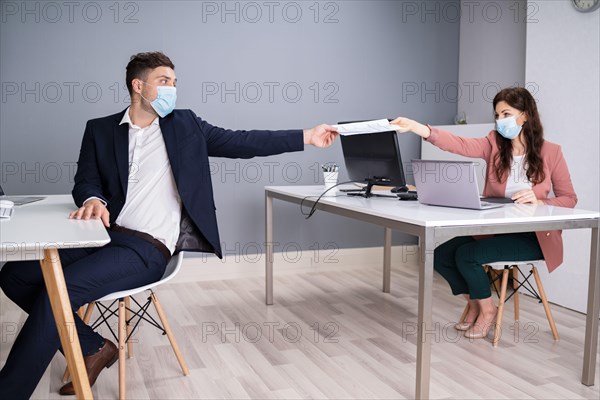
[152,205]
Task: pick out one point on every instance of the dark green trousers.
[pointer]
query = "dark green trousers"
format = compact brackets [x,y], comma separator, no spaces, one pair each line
[460,260]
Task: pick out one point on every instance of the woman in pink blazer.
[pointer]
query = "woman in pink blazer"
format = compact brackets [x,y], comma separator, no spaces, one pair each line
[521,165]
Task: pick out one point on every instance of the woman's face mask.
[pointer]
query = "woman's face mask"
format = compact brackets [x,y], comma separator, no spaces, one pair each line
[508,127]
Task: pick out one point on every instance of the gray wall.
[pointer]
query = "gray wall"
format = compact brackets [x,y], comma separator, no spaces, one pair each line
[569,104]
[64,63]
[492,54]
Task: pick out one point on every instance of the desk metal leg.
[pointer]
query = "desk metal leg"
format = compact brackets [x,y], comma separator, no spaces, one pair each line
[387,259]
[269,249]
[424,323]
[63,314]
[593,313]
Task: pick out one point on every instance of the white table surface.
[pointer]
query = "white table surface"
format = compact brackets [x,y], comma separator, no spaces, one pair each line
[46,224]
[413,212]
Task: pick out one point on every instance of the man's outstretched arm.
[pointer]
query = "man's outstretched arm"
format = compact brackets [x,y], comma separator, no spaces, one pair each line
[255,143]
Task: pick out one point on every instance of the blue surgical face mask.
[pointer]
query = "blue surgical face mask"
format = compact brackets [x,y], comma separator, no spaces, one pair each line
[508,127]
[164,103]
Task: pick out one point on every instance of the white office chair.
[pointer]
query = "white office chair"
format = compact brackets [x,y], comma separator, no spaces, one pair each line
[128,323]
[499,271]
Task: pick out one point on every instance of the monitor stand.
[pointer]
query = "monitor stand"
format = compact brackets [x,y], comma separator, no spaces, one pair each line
[369,190]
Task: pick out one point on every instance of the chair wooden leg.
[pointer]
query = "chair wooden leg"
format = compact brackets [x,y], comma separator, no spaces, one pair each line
[129,327]
[503,286]
[495,274]
[167,327]
[540,287]
[85,317]
[88,312]
[122,337]
[515,276]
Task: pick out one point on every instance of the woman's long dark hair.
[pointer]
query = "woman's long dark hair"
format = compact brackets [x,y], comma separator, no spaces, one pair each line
[533,135]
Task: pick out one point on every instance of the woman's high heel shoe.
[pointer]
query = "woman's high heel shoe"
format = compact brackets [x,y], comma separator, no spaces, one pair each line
[491,328]
[470,334]
[463,326]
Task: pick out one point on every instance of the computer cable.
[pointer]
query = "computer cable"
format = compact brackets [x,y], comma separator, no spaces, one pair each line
[314,206]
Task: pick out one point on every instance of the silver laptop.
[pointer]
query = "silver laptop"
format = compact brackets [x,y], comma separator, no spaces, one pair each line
[20,200]
[449,184]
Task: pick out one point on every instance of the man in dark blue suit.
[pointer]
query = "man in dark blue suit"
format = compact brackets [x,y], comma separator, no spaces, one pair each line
[145,173]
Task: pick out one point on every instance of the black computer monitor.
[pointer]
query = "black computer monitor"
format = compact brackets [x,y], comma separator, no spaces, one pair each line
[374,159]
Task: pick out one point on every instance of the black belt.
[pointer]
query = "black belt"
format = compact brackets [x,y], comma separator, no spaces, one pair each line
[148,238]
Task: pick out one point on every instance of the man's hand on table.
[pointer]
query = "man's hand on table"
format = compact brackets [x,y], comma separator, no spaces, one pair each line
[94,209]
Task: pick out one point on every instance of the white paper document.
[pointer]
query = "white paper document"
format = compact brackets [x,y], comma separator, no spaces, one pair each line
[361,128]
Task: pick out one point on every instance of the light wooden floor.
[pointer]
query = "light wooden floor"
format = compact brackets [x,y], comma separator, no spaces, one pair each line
[332,334]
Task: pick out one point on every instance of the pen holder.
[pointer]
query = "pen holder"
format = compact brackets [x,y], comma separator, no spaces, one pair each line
[330,179]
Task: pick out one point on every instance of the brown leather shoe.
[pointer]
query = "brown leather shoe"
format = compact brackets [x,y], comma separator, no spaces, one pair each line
[103,358]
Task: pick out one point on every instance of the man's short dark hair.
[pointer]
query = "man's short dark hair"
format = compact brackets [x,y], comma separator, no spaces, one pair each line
[142,63]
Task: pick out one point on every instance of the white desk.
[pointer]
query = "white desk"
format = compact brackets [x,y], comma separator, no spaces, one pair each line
[35,232]
[433,226]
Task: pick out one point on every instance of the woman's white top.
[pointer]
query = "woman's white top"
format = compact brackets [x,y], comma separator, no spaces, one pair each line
[517,179]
